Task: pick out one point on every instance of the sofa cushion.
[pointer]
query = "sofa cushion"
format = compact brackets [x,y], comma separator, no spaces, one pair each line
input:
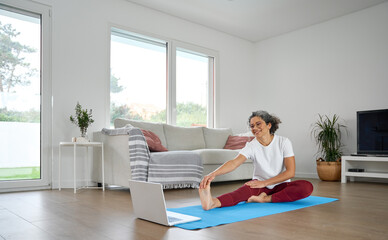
[184,138]
[237,142]
[217,156]
[153,141]
[156,128]
[120,122]
[245,134]
[216,138]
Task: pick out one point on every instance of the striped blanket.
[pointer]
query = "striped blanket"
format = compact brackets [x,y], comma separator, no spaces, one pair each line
[175,169]
[139,154]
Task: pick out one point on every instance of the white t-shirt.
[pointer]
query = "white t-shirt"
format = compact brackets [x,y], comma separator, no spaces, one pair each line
[268,161]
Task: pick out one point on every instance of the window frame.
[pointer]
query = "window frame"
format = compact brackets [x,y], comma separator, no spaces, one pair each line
[45,182]
[213,55]
[172,46]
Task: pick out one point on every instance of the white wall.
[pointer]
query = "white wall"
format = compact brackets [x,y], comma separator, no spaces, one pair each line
[80,39]
[340,66]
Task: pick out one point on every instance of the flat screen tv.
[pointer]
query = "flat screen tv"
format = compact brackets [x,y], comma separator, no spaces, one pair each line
[372,132]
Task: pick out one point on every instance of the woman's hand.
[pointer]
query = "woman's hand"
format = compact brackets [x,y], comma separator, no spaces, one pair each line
[256,184]
[227,167]
[206,181]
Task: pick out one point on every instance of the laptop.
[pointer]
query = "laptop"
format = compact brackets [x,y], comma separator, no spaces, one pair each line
[149,204]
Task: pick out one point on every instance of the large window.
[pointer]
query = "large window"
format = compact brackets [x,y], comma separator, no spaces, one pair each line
[19,96]
[160,81]
[138,78]
[24,95]
[192,88]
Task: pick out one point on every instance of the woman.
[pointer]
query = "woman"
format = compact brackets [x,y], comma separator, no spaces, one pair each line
[274,166]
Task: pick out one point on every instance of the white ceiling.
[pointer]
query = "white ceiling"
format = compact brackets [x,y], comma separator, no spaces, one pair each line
[256,20]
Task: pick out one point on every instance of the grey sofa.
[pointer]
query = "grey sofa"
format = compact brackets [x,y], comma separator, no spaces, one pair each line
[207,142]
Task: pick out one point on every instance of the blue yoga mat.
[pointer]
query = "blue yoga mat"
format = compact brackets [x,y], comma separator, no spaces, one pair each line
[243,211]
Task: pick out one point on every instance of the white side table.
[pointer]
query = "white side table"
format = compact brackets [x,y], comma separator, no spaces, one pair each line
[86,145]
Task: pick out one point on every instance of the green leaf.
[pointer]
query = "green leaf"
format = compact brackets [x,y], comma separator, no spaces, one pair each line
[327,135]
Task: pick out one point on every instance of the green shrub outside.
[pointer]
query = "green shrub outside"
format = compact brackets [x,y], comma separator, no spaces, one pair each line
[31,116]
[187,114]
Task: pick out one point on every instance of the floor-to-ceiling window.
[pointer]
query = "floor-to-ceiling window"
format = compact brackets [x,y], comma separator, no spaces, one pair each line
[161,80]
[23,157]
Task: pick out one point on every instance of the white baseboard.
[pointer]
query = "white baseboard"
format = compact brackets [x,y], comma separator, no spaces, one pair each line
[70,183]
[306,175]
[23,189]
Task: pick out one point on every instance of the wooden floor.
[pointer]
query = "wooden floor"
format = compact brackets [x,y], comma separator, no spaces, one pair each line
[360,213]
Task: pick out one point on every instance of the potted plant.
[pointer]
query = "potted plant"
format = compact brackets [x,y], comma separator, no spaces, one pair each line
[83,119]
[327,135]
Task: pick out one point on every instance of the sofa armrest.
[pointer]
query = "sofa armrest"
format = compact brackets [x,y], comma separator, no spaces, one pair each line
[116,160]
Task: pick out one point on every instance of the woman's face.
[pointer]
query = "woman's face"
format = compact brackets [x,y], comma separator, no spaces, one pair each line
[258,127]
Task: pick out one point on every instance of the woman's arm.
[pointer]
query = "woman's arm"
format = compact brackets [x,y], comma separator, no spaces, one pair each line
[289,164]
[223,169]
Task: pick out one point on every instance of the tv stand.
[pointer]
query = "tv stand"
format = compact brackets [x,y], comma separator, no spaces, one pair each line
[368,155]
[374,167]
[358,155]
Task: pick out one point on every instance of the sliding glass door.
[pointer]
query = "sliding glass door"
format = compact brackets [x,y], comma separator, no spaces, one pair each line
[21,100]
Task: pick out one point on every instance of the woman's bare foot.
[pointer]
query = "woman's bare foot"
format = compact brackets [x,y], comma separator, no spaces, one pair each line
[261,198]
[207,201]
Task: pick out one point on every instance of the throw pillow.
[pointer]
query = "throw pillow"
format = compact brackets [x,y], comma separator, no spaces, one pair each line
[237,142]
[153,141]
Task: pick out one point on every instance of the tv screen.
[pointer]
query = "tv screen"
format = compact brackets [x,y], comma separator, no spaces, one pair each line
[372,132]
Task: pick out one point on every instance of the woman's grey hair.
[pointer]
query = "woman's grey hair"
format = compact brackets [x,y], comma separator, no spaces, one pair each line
[267,118]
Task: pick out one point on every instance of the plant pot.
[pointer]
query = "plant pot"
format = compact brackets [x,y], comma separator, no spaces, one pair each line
[82,140]
[79,139]
[329,171]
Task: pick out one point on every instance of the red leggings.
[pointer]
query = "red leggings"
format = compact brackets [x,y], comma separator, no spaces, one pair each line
[284,192]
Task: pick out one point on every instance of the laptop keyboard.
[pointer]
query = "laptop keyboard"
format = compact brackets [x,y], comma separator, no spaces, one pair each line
[173,219]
